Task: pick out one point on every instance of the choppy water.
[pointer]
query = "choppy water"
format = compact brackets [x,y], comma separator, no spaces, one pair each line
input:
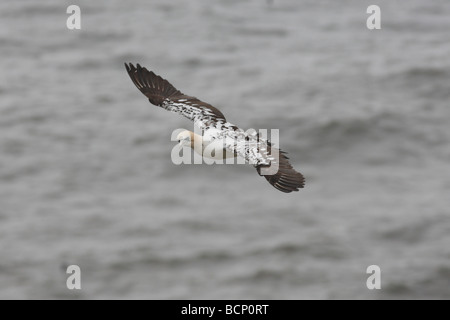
[86,176]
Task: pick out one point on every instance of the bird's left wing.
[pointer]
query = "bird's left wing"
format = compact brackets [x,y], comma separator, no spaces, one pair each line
[286,178]
[268,160]
[161,93]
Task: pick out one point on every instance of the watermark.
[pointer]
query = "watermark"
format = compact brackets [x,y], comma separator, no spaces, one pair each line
[74,280]
[212,146]
[374,280]
[374,20]
[228,309]
[74,20]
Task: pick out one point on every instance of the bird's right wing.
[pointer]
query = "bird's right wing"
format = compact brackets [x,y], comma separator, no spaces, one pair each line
[161,93]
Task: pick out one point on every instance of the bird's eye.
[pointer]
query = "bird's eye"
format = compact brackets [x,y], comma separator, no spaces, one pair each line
[179,141]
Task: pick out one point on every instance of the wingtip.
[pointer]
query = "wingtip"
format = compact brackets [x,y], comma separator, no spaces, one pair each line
[151,85]
[130,67]
[287,179]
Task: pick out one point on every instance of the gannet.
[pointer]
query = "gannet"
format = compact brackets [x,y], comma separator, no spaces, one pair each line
[232,141]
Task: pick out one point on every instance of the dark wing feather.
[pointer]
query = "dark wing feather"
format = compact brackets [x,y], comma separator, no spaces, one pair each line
[161,93]
[286,179]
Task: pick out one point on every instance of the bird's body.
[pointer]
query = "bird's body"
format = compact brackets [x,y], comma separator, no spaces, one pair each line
[206,145]
[222,137]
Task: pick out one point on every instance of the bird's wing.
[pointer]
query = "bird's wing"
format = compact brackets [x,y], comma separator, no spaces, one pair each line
[161,93]
[269,161]
[286,179]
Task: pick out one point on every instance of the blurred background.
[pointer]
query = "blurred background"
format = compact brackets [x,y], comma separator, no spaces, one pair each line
[86,176]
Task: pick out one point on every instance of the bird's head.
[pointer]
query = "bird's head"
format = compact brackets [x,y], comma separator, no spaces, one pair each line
[186,138]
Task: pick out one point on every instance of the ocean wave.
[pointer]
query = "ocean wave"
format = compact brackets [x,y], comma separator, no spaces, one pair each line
[430,284]
[386,135]
[414,72]
[262,32]
[431,72]
[174,261]
[324,251]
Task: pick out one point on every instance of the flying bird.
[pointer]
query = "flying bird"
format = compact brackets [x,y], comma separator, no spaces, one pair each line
[233,140]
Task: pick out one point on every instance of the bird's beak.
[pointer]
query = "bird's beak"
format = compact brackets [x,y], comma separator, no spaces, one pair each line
[184,142]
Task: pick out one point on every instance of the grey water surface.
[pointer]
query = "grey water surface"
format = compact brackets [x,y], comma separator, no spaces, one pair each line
[85,171]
